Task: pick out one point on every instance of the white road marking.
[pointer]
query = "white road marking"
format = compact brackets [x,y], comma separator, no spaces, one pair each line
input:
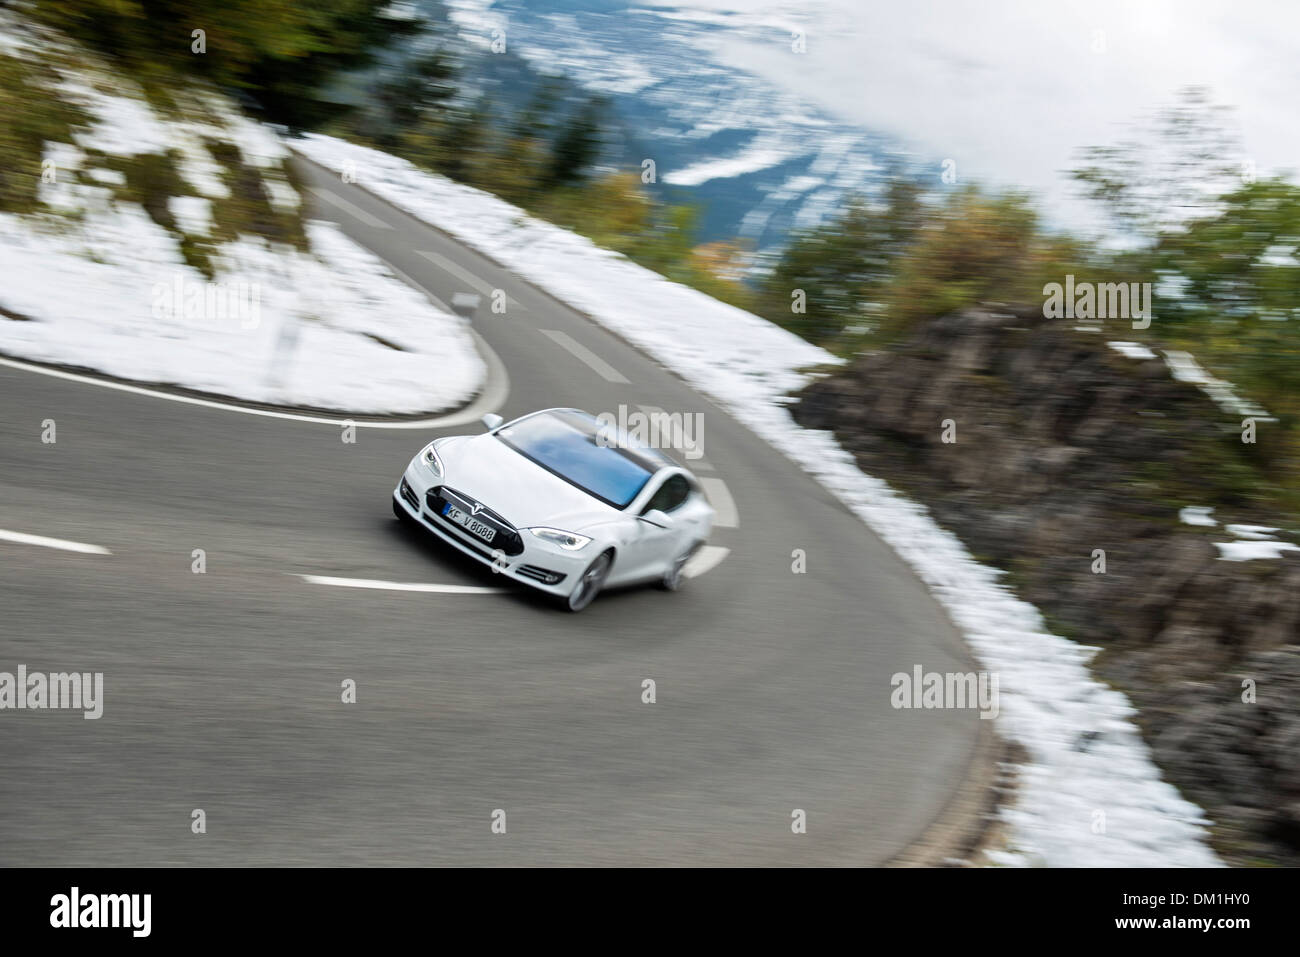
[489,400]
[22,538]
[581,352]
[356,212]
[464,275]
[706,559]
[678,440]
[723,504]
[400,586]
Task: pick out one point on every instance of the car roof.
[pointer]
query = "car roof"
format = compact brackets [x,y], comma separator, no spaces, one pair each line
[652,459]
[584,452]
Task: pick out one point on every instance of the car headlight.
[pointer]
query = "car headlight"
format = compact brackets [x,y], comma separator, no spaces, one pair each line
[569,541]
[429,456]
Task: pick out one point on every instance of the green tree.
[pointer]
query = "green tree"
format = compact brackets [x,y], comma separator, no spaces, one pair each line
[878,268]
[1222,248]
[403,97]
[577,146]
[974,248]
[843,266]
[1238,301]
[281,53]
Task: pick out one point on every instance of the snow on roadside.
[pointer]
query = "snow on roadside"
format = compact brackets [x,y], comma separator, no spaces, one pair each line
[109,288]
[293,329]
[700,331]
[1085,751]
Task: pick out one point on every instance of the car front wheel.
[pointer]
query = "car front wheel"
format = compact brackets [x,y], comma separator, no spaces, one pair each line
[673,579]
[591,582]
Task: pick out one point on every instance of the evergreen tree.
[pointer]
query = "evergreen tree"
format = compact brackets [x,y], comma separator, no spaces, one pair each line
[280,53]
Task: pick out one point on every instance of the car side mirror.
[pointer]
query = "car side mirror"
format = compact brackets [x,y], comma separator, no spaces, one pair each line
[658,518]
[492,420]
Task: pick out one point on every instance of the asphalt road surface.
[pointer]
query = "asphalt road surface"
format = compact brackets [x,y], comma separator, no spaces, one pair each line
[222,690]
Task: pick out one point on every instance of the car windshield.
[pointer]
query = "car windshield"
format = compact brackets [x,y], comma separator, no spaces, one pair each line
[568,444]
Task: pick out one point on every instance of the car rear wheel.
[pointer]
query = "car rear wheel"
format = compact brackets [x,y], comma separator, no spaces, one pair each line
[673,579]
[591,582]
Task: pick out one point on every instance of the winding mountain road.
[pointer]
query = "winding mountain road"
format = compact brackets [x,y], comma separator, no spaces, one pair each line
[222,690]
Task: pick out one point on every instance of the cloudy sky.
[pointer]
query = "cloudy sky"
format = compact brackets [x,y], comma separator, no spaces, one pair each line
[1012,89]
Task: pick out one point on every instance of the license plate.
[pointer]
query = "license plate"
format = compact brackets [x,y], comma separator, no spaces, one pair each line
[467,521]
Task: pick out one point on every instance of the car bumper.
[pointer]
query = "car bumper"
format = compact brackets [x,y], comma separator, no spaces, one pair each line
[530,567]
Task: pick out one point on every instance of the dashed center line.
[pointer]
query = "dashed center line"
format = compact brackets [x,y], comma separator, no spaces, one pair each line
[22,538]
[581,352]
[724,506]
[356,212]
[454,269]
[706,559]
[677,440]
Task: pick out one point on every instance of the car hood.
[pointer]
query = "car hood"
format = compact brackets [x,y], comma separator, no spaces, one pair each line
[519,490]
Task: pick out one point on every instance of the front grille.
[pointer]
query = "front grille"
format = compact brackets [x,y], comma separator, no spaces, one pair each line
[507,538]
[408,493]
[466,504]
[467,541]
[543,575]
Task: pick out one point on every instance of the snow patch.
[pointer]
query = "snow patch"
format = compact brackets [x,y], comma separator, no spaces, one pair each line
[192,213]
[1250,551]
[760,155]
[1185,368]
[109,177]
[1196,515]
[120,125]
[1253,532]
[1132,350]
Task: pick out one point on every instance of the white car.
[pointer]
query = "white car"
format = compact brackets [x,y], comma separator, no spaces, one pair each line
[560,502]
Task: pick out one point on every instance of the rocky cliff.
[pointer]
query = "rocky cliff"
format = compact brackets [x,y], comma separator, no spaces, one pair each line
[1067,463]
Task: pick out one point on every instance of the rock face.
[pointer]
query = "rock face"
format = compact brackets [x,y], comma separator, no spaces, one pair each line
[1065,450]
